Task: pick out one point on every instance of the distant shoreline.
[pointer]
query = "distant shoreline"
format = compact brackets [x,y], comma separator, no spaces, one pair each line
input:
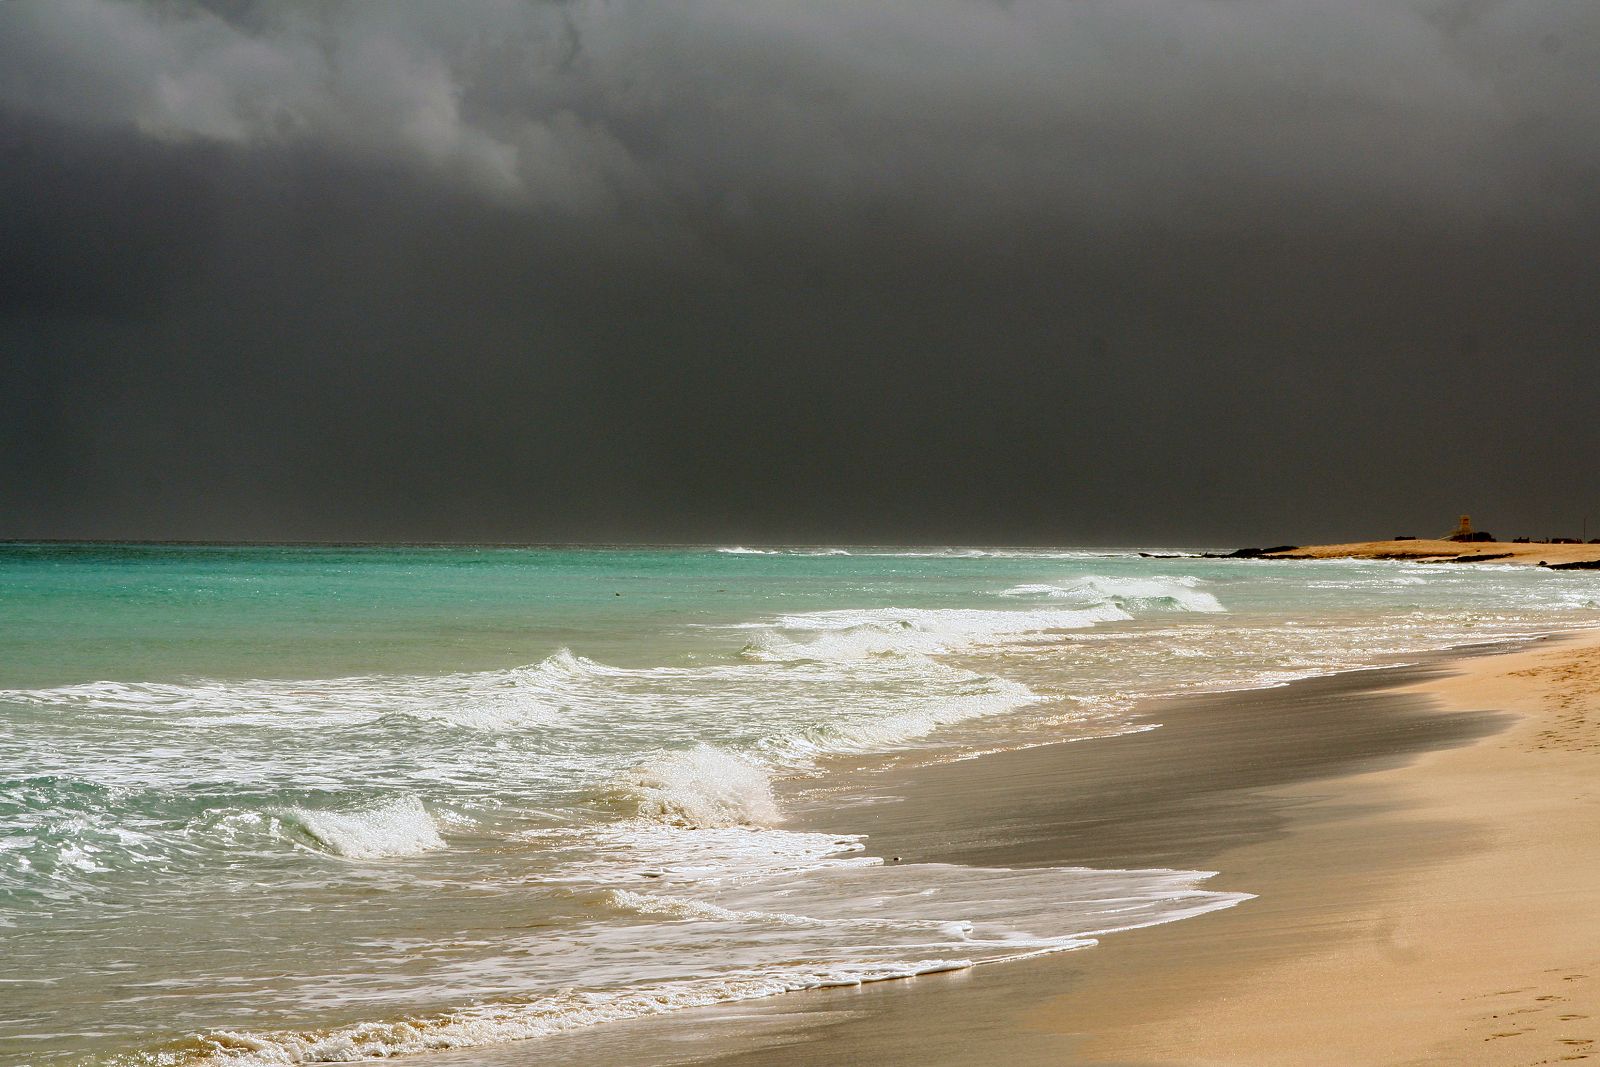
[1418,550]
[1444,551]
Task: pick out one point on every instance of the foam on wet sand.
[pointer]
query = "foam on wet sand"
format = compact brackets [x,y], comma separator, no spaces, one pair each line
[1423,847]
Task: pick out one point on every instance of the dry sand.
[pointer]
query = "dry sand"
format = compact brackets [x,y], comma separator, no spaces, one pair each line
[1444,551]
[1489,956]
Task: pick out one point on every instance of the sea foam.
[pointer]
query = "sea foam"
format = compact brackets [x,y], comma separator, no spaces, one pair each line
[517,696]
[396,826]
[831,927]
[853,633]
[194,801]
[501,1023]
[704,786]
[1130,594]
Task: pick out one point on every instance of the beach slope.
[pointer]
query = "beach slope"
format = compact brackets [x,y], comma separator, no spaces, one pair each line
[1423,843]
[1485,952]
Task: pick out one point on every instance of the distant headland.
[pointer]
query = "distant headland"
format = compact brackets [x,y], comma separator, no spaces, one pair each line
[1464,545]
[1556,555]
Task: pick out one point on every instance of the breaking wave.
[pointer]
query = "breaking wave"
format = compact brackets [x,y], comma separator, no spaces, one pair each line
[702,787]
[1130,594]
[739,550]
[397,826]
[709,786]
[517,696]
[983,696]
[856,633]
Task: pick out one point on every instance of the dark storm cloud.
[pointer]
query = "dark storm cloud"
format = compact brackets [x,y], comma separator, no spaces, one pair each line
[1132,270]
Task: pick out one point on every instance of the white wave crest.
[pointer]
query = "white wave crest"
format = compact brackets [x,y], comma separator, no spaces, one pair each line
[1132,594]
[399,826]
[515,696]
[677,855]
[855,633]
[740,550]
[704,786]
[983,696]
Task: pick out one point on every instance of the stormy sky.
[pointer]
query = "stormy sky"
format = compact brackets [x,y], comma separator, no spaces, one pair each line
[1134,271]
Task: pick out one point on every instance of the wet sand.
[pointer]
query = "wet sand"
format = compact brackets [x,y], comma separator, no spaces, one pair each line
[1422,842]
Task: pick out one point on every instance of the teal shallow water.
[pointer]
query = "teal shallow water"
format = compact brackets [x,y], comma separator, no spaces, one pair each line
[279,804]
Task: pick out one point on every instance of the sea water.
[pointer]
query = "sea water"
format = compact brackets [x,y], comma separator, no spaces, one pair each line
[266,805]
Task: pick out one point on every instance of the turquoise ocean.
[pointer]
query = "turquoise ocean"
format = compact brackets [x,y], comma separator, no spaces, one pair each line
[282,804]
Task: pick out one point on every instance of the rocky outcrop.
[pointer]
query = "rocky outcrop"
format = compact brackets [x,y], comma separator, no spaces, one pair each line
[1250,553]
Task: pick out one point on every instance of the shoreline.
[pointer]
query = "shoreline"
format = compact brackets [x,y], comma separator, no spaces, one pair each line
[1403,916]
[1141,814]
[1548,554]
[1486,952]
[1314,796]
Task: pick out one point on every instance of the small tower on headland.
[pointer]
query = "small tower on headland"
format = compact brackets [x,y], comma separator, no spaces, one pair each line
[1465,532]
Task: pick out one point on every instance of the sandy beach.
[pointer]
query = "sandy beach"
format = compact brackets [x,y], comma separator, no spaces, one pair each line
[1444,911]
[1445,551]
[1421,842]
[1484,948]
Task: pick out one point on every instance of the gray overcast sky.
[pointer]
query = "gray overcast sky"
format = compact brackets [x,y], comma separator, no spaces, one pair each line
[1208,271]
